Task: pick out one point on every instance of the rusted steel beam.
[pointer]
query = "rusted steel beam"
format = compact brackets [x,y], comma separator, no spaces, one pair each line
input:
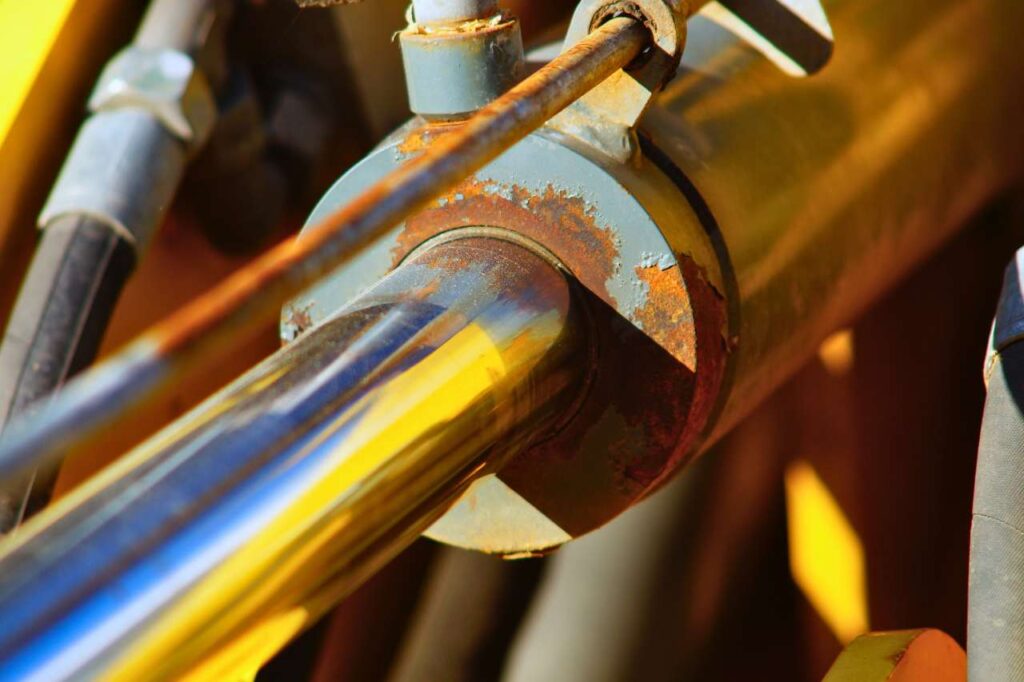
[200,329]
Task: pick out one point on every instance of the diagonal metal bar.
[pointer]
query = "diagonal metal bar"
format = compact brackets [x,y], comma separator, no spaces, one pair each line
[199,331]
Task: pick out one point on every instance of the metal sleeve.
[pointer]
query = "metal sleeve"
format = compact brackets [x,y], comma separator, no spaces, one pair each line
[123,170]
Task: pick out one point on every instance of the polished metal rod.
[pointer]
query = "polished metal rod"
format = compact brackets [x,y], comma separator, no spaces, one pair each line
[212,544]
[201,329]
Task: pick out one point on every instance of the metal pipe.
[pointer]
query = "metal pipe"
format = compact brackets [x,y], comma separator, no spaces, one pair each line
[202,328]
[211,545]
[119,177]
[452,11]
[177,24]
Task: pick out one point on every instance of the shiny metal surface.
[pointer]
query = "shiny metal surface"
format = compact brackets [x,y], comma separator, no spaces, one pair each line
[828,189]
[211,545]
[202,328]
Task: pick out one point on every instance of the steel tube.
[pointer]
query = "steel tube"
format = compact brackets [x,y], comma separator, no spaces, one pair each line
[250,295]
[223,536]
[177,24]
[452,11]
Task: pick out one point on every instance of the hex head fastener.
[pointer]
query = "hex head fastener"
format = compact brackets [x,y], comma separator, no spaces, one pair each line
[166,83]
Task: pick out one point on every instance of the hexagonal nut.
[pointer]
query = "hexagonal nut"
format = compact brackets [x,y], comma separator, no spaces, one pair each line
[165,82]
[665,19]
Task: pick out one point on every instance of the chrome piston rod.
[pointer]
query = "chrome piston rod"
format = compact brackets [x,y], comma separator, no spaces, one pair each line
[202,329]
[214,543]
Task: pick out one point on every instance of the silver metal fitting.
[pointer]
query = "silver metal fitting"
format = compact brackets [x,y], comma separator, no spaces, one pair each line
[451,70]
[164,82]
[123,170]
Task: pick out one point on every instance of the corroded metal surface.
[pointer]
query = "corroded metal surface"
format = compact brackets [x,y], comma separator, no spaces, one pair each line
[657,311]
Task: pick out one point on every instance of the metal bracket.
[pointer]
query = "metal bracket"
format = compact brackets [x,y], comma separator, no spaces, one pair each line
[794,34]
[604,118]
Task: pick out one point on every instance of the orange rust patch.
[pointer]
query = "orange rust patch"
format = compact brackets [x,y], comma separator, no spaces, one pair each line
[414,143]
[420,138]
[300,318]
[666,314]
[562,223]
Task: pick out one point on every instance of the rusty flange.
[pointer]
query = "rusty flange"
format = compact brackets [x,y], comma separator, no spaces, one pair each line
[652,282]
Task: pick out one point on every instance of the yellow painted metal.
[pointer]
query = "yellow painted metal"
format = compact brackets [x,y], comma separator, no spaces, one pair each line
[826,556]
[828,189]
[29,32]
[900,656]
[50,53]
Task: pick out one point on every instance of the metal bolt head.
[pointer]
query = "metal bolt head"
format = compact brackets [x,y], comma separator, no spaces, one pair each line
[164,82]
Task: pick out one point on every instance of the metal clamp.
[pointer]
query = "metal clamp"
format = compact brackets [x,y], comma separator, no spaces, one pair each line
[604,118]
[665,19]
[164,82]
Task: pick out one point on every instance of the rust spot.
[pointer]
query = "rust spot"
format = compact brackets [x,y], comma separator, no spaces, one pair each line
[562,223]
[299,317]
[666,315]
[645,410]
[420,138]
[413,143]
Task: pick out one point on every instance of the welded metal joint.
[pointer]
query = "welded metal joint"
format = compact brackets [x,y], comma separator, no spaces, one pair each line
[606,116]
[164,82]
[460,60]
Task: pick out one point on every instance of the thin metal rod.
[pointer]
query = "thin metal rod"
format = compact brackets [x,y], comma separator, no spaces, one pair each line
[452,11]
[212,544]
[202,328]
